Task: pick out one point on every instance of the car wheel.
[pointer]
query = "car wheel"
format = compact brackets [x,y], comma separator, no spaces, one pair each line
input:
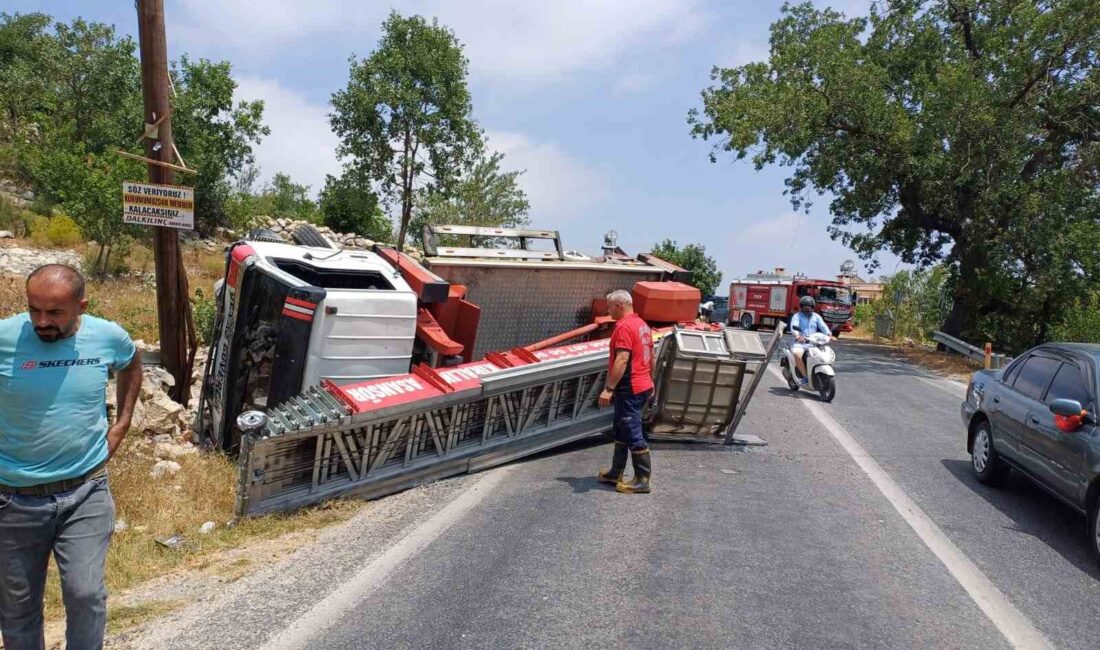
[826,387]
[984,460]
[1094,528]
[746,321]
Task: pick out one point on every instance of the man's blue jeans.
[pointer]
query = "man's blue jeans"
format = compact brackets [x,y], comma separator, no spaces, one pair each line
[76,526]
[627,427]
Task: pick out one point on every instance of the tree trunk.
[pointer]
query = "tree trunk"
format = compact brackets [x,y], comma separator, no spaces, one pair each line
[406,192]
[99,261]
[967,296]
[106,263]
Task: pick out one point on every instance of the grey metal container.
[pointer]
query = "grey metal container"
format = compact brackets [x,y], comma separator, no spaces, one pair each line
[701,377]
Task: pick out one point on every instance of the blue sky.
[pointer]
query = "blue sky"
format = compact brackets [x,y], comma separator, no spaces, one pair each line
[590,97]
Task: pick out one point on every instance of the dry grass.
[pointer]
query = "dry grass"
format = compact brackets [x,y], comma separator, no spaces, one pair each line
[130,301]
[155,509]
[949,365]
[125,617]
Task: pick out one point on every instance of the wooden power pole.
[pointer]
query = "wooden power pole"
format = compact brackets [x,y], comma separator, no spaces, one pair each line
[173,306]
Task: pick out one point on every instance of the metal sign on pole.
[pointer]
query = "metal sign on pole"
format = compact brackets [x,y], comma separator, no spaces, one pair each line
[173,307]
[166,206]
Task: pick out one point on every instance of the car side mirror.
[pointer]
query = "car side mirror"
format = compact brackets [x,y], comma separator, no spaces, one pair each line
[1069,415]
[1066,407]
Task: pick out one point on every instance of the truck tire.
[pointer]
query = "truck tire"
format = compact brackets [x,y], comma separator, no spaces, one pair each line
[746,321]
[307,235]
[264,234]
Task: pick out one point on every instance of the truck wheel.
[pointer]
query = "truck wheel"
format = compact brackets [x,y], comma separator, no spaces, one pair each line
[264,234]
[746,321]
[984,460]
[307,235]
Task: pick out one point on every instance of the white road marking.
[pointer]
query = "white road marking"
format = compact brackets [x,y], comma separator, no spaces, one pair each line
[304,631]
[1015,627]
[951,386]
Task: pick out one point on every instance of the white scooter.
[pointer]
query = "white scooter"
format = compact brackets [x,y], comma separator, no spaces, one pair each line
[819,365]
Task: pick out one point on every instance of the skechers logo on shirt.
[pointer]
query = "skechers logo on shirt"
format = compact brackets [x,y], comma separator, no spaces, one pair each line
[61,363]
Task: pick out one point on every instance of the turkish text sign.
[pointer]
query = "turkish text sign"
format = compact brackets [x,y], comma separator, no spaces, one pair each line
[169,206]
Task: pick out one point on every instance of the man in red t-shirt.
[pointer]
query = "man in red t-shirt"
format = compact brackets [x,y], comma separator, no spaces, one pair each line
[629,386]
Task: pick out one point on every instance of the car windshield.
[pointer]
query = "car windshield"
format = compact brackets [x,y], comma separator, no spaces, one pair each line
[834,294]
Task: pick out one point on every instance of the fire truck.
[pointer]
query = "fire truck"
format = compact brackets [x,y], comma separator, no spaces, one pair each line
[764,299]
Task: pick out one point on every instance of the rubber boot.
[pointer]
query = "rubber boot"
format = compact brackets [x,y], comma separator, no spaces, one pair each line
[618,464]
[643,469]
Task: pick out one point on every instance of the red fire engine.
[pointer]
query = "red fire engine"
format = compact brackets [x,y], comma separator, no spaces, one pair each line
[764,300]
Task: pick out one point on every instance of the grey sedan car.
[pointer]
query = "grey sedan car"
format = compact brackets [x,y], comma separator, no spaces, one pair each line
[1038,417]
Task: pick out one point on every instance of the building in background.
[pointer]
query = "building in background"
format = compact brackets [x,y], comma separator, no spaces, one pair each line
[866,290]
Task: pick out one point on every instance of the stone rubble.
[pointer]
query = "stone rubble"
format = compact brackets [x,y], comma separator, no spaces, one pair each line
[164,468]
[351,241]
[21,261]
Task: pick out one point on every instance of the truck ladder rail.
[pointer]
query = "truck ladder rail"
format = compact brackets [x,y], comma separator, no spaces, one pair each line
[385,435]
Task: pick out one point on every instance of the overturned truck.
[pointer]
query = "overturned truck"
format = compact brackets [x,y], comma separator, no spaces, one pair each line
[335,372]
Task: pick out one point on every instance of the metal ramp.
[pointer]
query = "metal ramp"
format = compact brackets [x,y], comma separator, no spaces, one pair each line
[383,436]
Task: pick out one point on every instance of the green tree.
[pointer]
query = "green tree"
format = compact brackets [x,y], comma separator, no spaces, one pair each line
[705,275]
[97,87]
[28,56]
[404,118]
[89,188]
[483,196]
[214,134]
[950,130]
[916,300]
[290,199]
[348,205]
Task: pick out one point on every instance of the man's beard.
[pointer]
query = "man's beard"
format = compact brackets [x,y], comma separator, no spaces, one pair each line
[51,334]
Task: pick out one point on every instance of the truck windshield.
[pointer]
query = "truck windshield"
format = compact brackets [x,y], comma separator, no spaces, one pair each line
[834,294]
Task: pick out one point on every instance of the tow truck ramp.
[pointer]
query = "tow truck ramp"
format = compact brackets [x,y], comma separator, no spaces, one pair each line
[382,436]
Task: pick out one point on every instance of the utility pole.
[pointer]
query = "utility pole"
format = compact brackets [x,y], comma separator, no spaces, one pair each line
[173,306]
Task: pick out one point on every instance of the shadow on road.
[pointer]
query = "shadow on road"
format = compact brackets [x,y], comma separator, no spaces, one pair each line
[584,484]
[1034,513]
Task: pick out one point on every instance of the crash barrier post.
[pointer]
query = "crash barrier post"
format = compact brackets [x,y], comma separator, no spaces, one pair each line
[996,360]
[988,354]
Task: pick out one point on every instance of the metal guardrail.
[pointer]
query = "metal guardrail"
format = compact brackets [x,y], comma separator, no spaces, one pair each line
[996,359]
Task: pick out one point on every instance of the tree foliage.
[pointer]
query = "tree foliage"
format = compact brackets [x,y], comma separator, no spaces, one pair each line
[916,300]
[349,205]
[953,130]
[705,275]
[88,186]
[482,196]
[70,95]
[216,135]
[404,118]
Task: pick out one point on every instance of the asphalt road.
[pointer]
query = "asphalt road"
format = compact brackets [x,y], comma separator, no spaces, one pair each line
[790,545]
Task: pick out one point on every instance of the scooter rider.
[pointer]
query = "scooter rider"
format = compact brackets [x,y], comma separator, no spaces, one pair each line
[808,322]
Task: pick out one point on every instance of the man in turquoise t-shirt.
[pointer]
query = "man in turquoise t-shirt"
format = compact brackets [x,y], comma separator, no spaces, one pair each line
[54,446]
